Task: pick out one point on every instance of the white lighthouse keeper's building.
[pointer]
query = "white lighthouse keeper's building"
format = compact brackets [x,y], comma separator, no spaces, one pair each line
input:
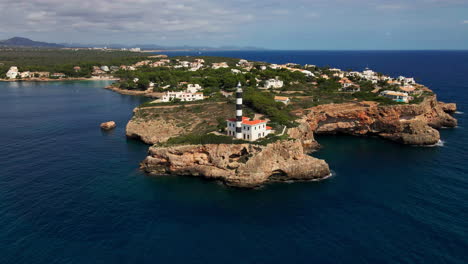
[242,127]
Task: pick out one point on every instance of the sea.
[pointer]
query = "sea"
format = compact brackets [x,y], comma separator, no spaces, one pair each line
[71,193]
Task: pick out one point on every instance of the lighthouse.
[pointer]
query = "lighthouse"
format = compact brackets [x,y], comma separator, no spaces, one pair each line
[239,111]
[242,127]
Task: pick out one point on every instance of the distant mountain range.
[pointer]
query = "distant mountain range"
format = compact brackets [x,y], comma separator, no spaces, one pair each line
[25,42]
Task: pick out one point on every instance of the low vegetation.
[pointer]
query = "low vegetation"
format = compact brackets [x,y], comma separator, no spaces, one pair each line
[205,139]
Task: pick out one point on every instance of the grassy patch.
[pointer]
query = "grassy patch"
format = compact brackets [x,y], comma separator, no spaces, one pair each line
[205,139]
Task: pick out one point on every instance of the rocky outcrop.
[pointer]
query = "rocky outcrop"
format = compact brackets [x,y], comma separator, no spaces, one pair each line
[240,165]
[305,135]
[448,107]
[156,124]
[108,125]
[412,124]
[152,131]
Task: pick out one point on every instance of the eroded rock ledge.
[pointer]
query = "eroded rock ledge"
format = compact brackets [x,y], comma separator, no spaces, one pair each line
[242,165]
[412,124]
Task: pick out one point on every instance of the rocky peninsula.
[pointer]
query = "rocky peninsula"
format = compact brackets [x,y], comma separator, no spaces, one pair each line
[191,138]
[250,165]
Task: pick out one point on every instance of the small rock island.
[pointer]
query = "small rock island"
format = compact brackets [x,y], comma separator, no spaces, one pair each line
[249,123]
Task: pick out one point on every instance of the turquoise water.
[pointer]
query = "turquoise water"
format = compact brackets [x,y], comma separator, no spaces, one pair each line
[70,193]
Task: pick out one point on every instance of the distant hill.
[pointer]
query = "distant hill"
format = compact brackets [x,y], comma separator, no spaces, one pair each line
[25,42]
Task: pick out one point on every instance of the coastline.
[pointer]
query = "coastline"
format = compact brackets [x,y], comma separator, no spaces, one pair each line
[59,80]
[131,92]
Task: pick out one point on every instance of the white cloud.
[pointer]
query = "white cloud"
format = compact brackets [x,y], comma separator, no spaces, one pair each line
[182,18]
[179,20]
[312,15]
[391,7]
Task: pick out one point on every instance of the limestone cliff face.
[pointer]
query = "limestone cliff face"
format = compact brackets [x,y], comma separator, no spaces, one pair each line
[152,131]
[408,124]
[240,165]
[157,124]
[305,134]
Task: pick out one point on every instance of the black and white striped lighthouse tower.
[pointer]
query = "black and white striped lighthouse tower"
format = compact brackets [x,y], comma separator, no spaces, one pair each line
[239,111]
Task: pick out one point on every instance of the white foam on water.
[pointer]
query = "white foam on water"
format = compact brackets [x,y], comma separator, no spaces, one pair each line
[440,143]
[459,112]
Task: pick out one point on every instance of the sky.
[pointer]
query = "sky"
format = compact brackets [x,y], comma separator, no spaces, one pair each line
[271,24]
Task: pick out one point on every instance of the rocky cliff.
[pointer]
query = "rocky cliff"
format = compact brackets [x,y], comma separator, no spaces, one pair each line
[157,124]
[240,165]
[413,124]
[249,165]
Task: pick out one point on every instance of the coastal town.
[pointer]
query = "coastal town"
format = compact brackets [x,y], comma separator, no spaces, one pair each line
[270,94]
[280,79]
[192,79]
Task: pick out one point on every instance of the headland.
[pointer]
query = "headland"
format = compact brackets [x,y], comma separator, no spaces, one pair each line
[195,127]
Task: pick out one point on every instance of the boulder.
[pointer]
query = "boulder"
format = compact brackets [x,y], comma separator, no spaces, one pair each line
[108,125]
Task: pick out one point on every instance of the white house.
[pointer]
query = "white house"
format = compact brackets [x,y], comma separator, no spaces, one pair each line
[219,65]
[183,96]
[185,64]
[355,74]
[406,81]
[368,73]
[193,88]
[242,61]
[58,75]
[25,74]
[194,66]
[274,83]
[396,96]
[308,73]
[12,72]
[345,82]
[282,99]
[274,66]
[251,129]
[235,71]
[105,68]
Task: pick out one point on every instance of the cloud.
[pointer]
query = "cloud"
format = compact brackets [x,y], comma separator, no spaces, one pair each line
[391,6]
[465,22]
[182,20]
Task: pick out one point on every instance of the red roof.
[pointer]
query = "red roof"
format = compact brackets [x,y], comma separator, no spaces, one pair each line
[268,128]
[253,122]
[247,121]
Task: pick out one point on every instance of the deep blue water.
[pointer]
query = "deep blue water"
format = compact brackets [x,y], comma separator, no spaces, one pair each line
[70,193]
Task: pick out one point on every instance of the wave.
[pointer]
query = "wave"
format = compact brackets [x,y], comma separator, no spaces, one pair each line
[459,112]
[440,143]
